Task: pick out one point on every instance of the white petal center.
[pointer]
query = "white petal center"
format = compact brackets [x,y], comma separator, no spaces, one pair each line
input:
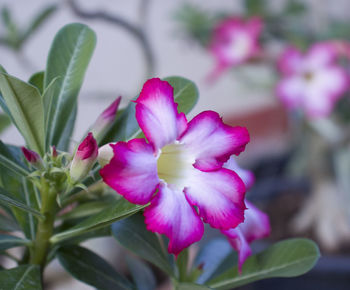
[175,164]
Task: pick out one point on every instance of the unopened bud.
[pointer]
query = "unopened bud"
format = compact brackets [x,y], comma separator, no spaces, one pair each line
[84,158]
[105,120]
[105,154]
[33,158]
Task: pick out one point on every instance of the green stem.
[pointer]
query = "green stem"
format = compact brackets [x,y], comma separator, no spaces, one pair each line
[182,265]
[45,227]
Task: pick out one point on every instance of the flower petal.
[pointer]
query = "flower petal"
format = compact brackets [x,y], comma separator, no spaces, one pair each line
[240,244]
[156,113]
[132,172]
[290,90]
[247,176]
[219,196]
[256,224]
[326,87]
[320,55]
[170,214]
[211,141]
[290,61]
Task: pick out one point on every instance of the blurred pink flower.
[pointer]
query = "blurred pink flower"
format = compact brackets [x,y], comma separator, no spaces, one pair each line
[179,170]
[234,41]
[312,82]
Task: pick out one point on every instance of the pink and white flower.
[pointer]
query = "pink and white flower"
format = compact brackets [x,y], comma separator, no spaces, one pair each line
[234,41]
[256,224]
[312,82]
[179,170]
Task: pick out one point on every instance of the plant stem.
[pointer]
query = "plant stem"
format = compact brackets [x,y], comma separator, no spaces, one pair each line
[182,265]
[45,227]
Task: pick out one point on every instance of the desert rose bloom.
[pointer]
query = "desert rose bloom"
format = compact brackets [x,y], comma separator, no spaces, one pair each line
[105,120]
[256,224]
[84,158]
[179,168]
[234,42]
[33,158]
[312,82]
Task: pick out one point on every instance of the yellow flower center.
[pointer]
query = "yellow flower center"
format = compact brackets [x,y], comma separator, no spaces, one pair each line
[174,164]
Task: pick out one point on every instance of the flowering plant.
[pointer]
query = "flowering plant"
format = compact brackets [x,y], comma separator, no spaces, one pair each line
[150,160]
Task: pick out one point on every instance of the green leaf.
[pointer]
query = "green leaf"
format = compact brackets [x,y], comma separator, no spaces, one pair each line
[5,122]
[91,269]
[141,274]
[68,59]
[8,161]
[86,209]
[7,224]
[37,80]
[8,241]
[288,258]
[119,210]
[6,200]
[47,97]
[26,107]
[191,286]
[126,127]
[26,277]
[213,256]
[133,235]
[185,93]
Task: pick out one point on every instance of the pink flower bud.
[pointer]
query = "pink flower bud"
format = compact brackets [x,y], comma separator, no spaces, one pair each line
[54,151]
[84,158]
[105,154]
[105,120]
[32,157]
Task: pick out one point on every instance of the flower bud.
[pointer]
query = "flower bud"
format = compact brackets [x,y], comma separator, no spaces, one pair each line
[33,158]
[54,151]
[105,154]
[105,120]
[84,158]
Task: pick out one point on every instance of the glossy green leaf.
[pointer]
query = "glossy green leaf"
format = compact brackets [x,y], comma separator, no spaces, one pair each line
[26,277]
[288,258]
[8,241]
[5,122]
[117,211]
[26,107]
[6,200]
[68,59]
[37,80]
[48,96]
[191,286]
[141,274]
[126,127]
[91,269]
[133,235]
